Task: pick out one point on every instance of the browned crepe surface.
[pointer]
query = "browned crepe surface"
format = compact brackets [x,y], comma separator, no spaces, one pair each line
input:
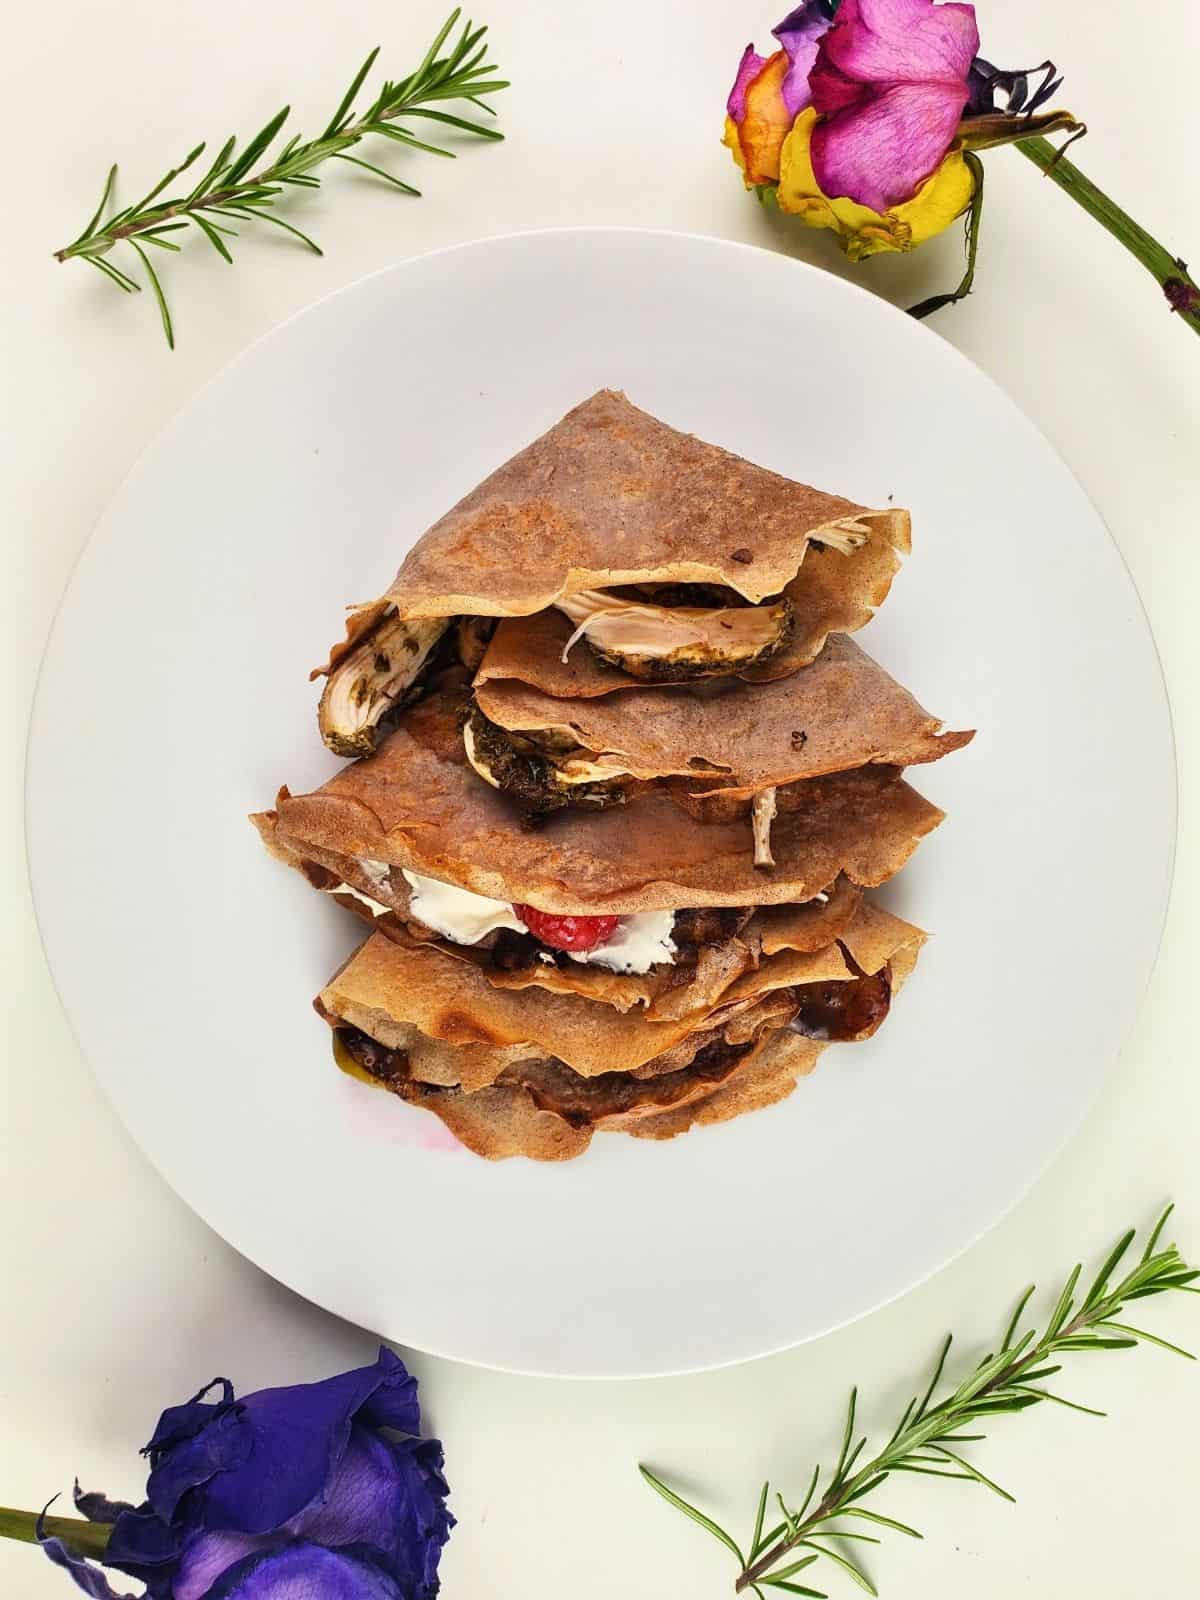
[506,1120]
[417,804]
[515,1116]
[843,711]
[388,988]
[666,991]
[612,496]
[871,938]
[676,991]
[770,1076]
[453,1001]
[434,1063]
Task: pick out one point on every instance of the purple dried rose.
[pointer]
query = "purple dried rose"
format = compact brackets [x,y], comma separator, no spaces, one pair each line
[300,1493]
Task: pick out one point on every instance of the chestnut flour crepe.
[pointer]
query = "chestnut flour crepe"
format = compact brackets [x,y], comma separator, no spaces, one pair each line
[388,982]
[544,1109]
[417,804]
[843,711]
[612,496]
[618,784]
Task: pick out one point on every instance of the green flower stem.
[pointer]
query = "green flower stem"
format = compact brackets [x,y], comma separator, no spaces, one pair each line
[1179,287]
[83,1538]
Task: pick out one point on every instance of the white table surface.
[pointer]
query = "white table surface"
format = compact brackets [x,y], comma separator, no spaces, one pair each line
[116,1299]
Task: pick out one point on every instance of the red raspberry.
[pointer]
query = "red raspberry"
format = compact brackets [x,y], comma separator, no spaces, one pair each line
[567,933]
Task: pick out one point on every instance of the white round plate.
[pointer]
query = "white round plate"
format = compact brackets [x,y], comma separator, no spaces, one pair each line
[174,699]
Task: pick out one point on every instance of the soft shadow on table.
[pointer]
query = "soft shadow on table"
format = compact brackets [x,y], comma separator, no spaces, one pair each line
[935,268]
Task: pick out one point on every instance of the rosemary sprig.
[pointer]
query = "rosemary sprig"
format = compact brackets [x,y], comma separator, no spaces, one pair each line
[235,187]
[928,1437]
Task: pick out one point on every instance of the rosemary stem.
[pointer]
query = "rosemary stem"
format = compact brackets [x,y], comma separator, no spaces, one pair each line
[229,188]
[829,1506]
[1180,288]
[1003,1382]
[129,230]
[82,1538]
[349,137]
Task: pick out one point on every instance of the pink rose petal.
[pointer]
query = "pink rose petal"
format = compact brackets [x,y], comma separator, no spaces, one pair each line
[902,41]
[881,152]
[833,91]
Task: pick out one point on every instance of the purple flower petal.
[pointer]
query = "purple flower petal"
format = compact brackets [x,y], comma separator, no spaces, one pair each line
[363,1502]
[425,1495]
[221,1445]
[98,1507]
[392,1402]
[141,1541]
[178,1423]
[390,1497]
[903,41]
[749,67]
[881,153]
[209,1555]
[306,1572]
[287,1443]
[800,34]
[89,1578]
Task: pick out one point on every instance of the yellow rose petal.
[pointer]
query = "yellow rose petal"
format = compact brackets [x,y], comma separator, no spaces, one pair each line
[863,232]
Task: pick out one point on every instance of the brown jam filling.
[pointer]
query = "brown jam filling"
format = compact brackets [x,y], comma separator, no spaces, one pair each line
[843,1011]
[580,1101]
[829,1012]
[377,1060]
[553,1085]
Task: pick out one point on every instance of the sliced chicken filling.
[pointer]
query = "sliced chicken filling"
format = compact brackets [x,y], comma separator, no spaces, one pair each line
[665,643]
[374,677]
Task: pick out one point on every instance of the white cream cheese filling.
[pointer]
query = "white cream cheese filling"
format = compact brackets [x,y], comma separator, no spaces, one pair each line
[374,906]
[639,942]
[457,914]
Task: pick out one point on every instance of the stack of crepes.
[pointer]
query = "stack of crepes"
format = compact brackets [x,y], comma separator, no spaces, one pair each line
[621,781]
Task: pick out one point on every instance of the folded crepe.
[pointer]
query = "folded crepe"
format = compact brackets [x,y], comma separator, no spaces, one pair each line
[494,1066]
[843,711]
[417,805]
[669,963]
[670,557]
[388,988]
[704,968]
[537,1117]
